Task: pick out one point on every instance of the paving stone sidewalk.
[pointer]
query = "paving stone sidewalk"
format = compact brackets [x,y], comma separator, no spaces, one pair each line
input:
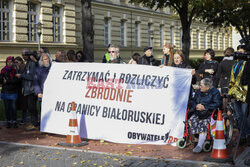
[25,155]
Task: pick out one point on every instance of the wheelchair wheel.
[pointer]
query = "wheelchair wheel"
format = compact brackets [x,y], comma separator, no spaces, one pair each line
[207,146]
[228,128]
[181,143]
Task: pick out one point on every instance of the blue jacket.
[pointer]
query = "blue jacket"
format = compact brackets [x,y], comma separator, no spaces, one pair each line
[41,74]
[210,99]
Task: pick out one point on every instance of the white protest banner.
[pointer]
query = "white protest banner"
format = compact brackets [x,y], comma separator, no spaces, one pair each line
[122,103]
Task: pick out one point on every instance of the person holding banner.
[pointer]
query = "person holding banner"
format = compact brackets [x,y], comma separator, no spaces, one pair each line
[206,99]
[179,62]
[148,58]
[168,50]
[113,55]
[41,74]
[61,56]
[72,56]
[135,58]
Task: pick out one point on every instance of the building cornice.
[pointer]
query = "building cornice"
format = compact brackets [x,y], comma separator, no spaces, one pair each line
[107,5]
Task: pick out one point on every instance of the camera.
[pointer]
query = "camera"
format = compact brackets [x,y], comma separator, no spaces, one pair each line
[241,56]
[245,42]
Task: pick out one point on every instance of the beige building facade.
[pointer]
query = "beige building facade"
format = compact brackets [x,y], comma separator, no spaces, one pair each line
[130,26]
[20,17]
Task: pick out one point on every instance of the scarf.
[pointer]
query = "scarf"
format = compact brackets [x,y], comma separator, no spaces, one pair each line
[8,71]
[237,68]
[208,62]
[228,58]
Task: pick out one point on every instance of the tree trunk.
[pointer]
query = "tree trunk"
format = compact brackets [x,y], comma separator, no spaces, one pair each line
[87,31]
[186,41]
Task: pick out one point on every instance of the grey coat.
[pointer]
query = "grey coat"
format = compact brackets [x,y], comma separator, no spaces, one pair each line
[27,78]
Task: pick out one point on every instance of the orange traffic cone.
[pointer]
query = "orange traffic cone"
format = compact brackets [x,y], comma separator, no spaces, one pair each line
[219,152]
[73,137]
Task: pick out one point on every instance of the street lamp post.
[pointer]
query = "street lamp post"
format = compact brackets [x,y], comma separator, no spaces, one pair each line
[39,33]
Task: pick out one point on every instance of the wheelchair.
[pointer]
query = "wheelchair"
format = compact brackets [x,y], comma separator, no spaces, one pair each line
[189,139]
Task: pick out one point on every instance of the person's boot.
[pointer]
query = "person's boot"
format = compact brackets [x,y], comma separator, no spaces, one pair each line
[8,125]
[247,162]
[15,125]
[31,128]
[243,141]
[22,122]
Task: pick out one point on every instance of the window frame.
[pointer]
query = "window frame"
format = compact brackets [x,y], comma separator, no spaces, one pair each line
[150,30]
[123,34]
[198,39]
[59,25]
[107,31]
[211,39]
[137,34]
[5,23]
[161,35]
[32,24]
[172,35]
[205,39]
[181,33]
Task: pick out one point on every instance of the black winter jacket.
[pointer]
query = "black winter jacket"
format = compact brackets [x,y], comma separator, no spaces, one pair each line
[11,85]
[208,65]
[210,99]
[223,75]
[245,80]
[147,60]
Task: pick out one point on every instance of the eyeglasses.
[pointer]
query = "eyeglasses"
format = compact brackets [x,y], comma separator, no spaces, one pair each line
[111,51]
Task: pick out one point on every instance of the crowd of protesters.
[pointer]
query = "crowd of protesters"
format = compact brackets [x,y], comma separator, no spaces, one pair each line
[22,83]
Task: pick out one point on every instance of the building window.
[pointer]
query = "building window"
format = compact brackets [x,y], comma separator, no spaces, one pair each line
[137,34]
[223,41]
[150,35]
[5,20]
[56,17]
[123,33]
[198,39]
[107,36]
[205,39]
[211,40]
[228,40]
[191,38]
[172,35]
[218,41]
[181,33]
[32,21]
[161,35]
